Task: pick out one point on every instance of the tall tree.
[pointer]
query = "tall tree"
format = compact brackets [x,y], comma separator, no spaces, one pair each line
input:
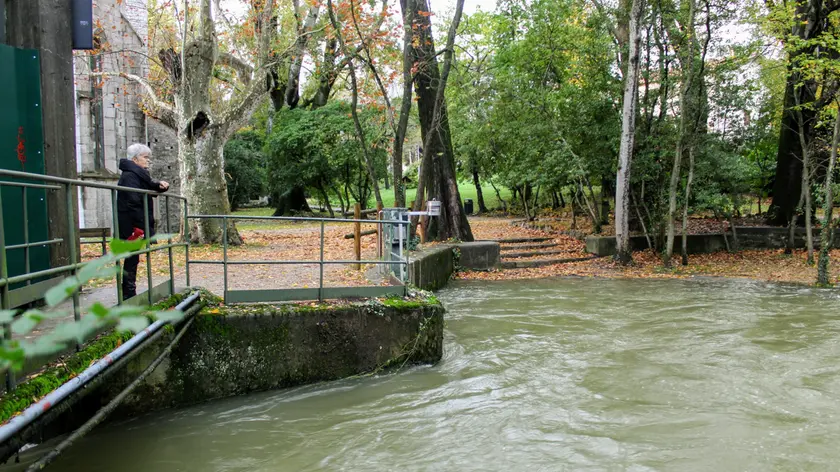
[439,179]
[809,19]
[828,208]
[628,133]
[205,112]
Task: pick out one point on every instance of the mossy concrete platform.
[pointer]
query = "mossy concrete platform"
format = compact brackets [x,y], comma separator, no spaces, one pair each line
[235,350]
[238,350]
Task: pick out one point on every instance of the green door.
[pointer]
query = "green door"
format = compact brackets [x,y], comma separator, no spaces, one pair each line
[21,140]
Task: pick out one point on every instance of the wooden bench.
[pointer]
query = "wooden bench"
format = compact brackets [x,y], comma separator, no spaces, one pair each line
[99,236]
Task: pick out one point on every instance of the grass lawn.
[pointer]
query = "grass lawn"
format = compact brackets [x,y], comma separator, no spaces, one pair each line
[467,191]
[263,224]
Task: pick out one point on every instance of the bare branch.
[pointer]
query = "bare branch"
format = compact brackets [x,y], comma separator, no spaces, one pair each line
[243,70]
[164,111]
[232,118]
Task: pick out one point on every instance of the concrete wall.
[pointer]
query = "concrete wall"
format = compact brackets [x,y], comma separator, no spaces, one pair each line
[431,268]
[749,237]
[249,348]
[255,348]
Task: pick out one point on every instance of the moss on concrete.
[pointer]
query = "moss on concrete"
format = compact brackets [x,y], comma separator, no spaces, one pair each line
[57,373]
[237,349]
[54,376]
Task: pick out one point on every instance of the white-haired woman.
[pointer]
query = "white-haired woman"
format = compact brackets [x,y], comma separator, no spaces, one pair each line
[135,174]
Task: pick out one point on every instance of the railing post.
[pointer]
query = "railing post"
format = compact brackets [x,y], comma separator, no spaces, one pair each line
[115,216]
[357,234]
[379,231]
[169,242]
[4,294]
[402,230]
[321,269]
[224,256]
[148,247]
[71,242]
[186,241]
[25,233]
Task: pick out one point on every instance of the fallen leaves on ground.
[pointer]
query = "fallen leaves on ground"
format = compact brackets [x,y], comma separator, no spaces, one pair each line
[767,265]
[288,244]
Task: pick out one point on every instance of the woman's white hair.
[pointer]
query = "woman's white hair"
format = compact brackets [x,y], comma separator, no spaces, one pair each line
[137,149]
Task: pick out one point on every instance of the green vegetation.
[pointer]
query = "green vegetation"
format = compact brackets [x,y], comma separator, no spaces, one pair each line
[59,372]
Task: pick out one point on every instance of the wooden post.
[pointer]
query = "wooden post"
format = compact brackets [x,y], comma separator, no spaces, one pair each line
[379,231]
[357,236]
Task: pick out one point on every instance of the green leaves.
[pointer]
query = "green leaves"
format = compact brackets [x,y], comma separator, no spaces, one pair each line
[133,323]
[125,317]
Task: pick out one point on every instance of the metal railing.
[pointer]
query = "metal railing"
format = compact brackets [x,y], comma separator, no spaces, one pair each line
[28,181]
[34,288]
[290,294]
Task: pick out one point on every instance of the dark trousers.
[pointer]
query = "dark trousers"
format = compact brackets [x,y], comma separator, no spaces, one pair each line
[129,281]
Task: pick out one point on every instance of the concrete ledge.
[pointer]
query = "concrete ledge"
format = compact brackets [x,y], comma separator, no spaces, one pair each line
[252,348]
[480,255]
[749,237]
[431,268]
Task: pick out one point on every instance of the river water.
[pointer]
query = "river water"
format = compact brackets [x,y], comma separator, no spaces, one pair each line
[554,374]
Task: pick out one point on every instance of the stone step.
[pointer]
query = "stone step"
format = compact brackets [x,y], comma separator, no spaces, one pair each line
[521,240]
[529,246]
[543,262]
[514,255]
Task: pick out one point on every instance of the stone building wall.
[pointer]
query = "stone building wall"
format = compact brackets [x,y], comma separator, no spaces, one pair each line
[108,114]
[164,146]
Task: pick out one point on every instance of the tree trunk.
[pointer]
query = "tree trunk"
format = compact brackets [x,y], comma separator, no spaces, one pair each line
[628,131]
[292,95]
[806,190]
[686,113]
[605,200]
[499,196]
[203,182]
[326,198]
[828,209]
[327,77]
[788,180]
[805,186]
[685,206]
[405,111]
[291,203]
[479,194]
[429,84]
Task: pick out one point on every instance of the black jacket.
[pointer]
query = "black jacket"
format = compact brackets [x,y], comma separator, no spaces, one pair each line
[130,204]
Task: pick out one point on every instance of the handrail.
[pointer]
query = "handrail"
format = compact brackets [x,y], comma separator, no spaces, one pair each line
[75,182]
[297,218]
[53,398]
[321,262]
[42,183]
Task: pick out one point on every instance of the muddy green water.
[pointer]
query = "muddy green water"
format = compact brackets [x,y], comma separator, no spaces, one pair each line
[562,374]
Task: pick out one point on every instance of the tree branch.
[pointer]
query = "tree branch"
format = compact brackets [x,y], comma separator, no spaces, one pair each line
[231,119]
[164,111]
[243,70]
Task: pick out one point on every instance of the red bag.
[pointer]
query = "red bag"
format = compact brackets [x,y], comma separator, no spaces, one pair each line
[136,234]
